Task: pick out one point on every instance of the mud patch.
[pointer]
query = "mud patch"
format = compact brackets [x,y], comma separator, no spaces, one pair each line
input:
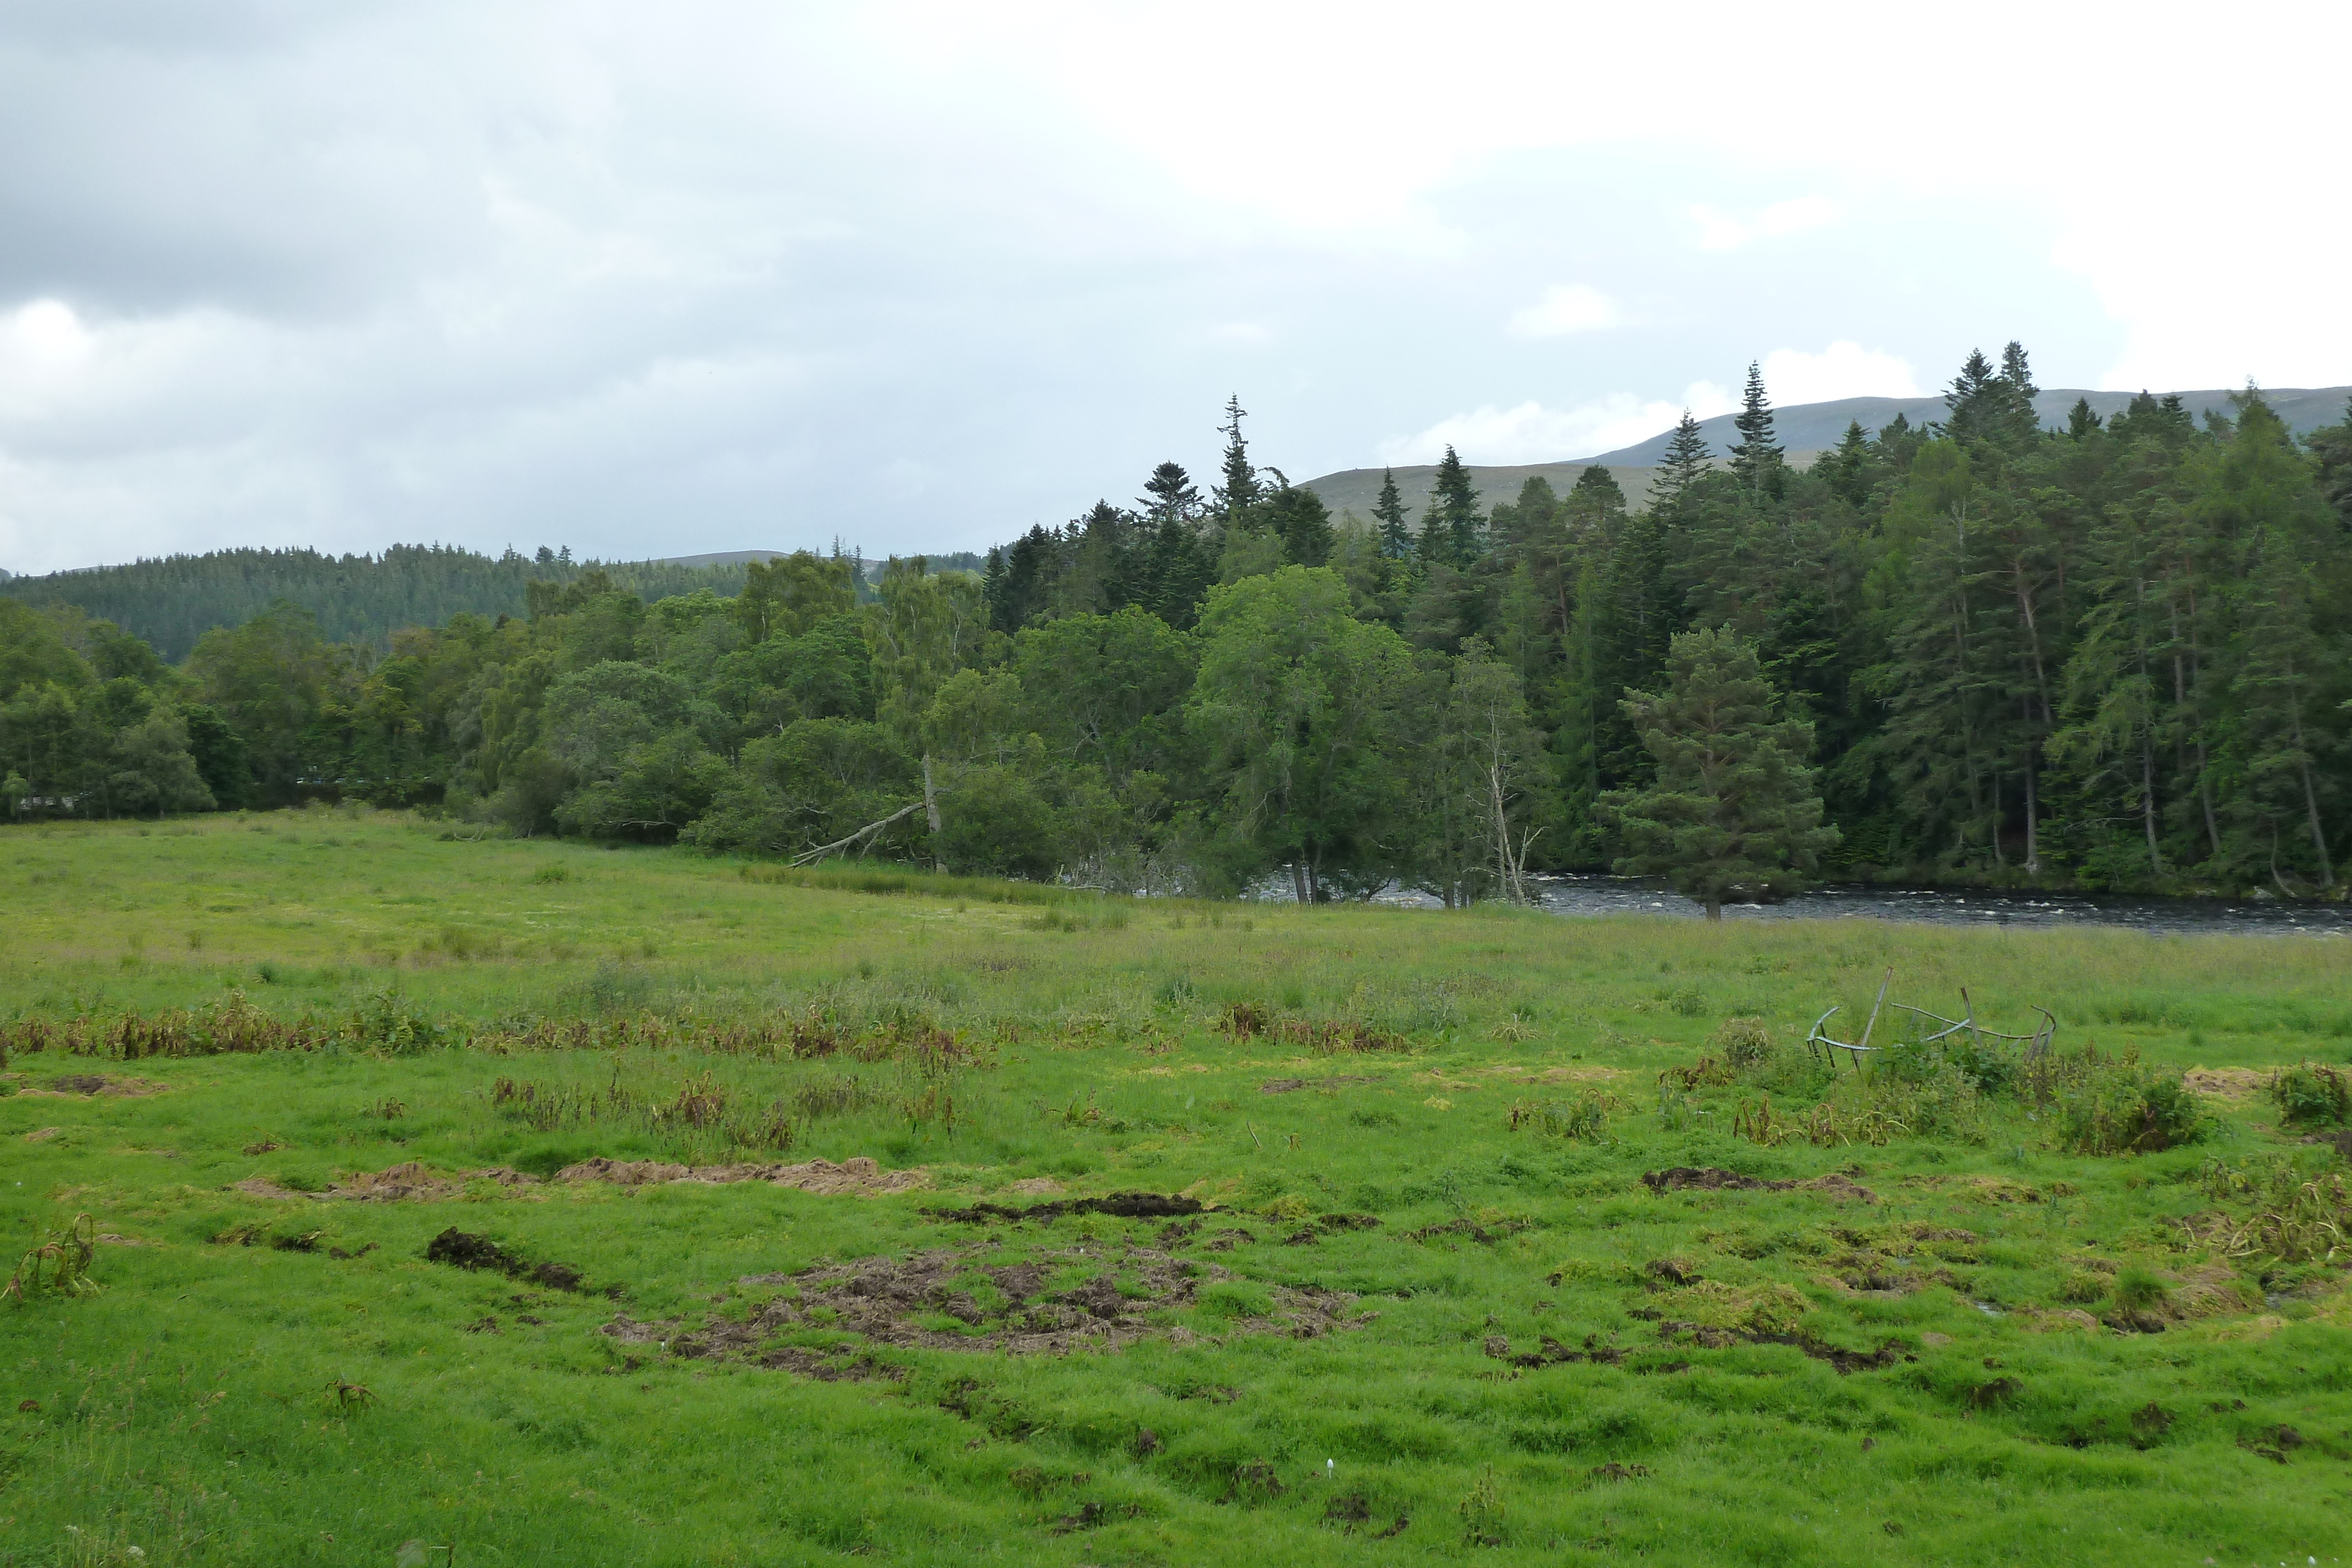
[1844,1362]
[858,1175]
[1118,1298]
[1836,1187]
[1118,1205]
[459,1250]
[1291,1085]
[1549,1351]
[84,1085]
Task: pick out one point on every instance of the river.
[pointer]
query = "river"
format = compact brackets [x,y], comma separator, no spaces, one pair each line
[1595,893]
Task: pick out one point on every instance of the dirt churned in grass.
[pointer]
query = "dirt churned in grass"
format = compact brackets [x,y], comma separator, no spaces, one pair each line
[679,1216]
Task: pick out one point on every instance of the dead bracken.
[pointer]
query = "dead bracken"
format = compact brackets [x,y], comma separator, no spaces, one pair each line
[999,1306]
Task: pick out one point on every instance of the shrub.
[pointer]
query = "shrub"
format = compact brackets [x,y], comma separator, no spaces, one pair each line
[2313,1094]
[1584,1119]
[2126,1110]
[1746,1044]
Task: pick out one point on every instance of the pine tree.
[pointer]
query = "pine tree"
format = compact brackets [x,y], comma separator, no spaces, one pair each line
[1596,501]
[1241,490]
[1168,493]
[1734,808]
[1755,456]
[2081,424]
[1396,542]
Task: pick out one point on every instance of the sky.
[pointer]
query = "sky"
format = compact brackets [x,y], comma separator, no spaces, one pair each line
[657,280]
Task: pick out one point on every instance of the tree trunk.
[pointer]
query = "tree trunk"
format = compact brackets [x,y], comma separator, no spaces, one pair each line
[2033,820]
[1298,881]
[2318,833]
[1713,904]
[931,811]
[2148,797]
[2205,799]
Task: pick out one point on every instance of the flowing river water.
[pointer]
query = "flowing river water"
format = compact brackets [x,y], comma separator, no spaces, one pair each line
[1594,893]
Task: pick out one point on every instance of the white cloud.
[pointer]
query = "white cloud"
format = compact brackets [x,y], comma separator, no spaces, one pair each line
[706,276]
[1842,369]
[1532,433]
[1567,307]
[1719,230]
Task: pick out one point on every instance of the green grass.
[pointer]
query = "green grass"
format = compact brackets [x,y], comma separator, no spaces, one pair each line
[226,1399]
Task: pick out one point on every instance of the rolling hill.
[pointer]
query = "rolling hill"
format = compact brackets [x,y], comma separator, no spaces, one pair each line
[1804,429]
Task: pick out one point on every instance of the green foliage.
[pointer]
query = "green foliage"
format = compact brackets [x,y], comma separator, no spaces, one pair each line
[2123,1108]
[1733,809]
[58,1266]
[2311,1094]
[2110,655]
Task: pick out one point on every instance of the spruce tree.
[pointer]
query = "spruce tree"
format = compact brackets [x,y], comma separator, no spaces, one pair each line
[1990,405]
[1453,513]
[1396,542]
[1733,809]
[1755,456]
[1847,469]
[1686,457]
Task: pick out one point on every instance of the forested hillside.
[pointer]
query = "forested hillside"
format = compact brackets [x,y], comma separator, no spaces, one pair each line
[2110,653]
[175,600]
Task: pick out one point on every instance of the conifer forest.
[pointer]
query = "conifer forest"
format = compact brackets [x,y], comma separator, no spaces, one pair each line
[1975,651]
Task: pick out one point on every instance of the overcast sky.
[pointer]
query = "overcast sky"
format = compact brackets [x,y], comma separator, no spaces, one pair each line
[657,279]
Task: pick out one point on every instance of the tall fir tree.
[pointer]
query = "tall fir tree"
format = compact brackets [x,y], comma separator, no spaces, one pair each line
[1452,516]
[1686,457]
[1396,541]
[1756,455]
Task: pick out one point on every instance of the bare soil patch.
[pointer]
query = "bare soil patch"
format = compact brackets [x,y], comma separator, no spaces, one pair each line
[1836,1185]
[856,1176]
[1291,1085]
[463,1250]
[88,1085]
[1118,1205]
[897,1303]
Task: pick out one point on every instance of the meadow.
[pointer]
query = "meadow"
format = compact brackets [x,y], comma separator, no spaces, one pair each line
[1480,1234]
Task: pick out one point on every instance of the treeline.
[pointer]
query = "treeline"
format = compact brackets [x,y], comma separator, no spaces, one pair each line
[175,600]
[2109,654]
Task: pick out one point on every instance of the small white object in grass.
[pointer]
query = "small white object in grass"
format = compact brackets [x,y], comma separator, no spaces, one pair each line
[1330,1465]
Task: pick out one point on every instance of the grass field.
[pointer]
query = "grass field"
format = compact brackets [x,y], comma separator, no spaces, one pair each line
[1429,1307]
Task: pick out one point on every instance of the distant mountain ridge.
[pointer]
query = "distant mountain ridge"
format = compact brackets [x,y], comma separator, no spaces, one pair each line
[1802,429]
[1816,426]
